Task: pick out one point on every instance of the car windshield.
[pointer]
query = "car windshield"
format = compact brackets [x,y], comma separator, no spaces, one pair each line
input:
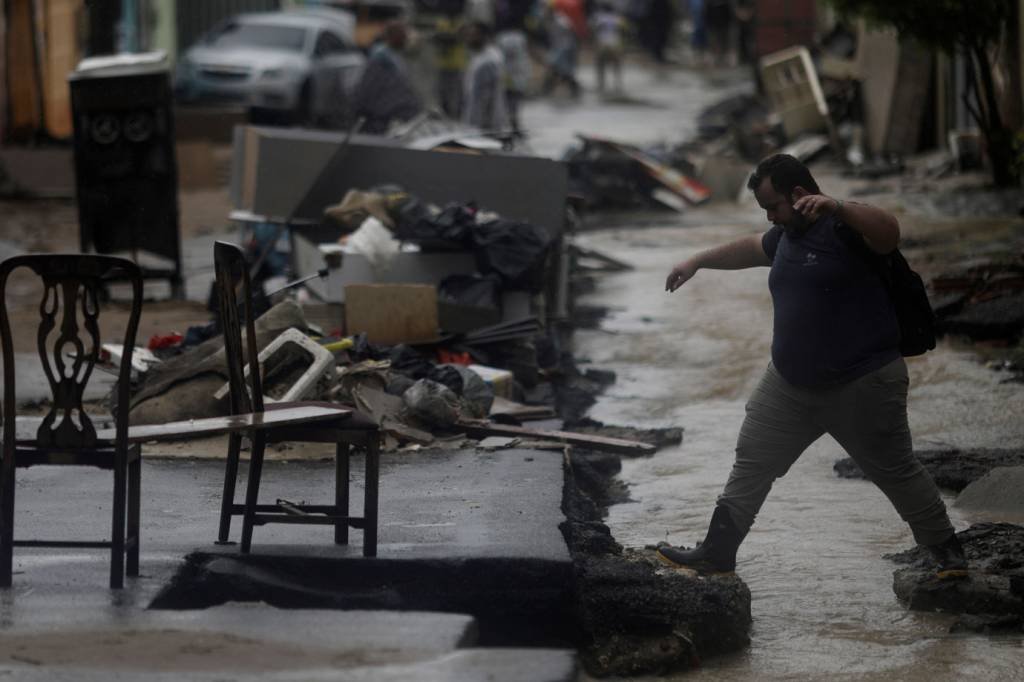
[235,34]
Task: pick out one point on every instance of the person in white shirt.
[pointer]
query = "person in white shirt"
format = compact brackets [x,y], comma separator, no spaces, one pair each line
[608,26]
[484,85]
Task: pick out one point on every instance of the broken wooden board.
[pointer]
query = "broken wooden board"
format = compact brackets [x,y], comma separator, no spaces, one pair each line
[510,408]
[392,313]
[481,428]
[211,426]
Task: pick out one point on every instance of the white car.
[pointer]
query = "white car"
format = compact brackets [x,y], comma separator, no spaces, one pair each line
[303,64]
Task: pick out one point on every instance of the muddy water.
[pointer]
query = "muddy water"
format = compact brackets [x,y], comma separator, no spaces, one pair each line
[822,598]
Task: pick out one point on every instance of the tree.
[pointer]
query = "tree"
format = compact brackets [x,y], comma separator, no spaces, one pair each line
[970,27]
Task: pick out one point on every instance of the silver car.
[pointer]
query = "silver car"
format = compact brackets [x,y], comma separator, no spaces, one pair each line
[303,64]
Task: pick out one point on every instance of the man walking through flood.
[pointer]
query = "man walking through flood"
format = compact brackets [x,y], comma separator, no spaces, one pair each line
[835,365]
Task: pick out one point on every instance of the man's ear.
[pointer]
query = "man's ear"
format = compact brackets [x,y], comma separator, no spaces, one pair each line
[799,193]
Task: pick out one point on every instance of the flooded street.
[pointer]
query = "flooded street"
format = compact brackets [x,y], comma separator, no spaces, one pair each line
[823,603]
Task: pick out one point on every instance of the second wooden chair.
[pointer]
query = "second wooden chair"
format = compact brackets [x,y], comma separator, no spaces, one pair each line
[353,430]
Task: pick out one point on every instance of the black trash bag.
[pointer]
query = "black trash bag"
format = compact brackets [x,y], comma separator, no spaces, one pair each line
[448,376]
[397,384]
[409,361]
[477,395]
[362,349]
[514,251]
[446,231]
[432,402]
[477,291]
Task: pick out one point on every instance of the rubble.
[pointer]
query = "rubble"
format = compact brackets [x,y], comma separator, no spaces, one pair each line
[990,598]
[637,616]
[999,490]
[951,469]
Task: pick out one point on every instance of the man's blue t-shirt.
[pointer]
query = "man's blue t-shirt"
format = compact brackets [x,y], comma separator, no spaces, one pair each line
[834,320]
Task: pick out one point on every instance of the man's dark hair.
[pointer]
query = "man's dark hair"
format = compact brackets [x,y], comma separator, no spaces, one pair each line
[786,173]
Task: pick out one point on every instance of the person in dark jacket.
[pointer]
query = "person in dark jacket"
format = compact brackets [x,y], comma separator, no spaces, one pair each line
[385,93]
[835,365]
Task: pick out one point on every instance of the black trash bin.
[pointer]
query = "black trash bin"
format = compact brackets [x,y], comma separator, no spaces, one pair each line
[125,166]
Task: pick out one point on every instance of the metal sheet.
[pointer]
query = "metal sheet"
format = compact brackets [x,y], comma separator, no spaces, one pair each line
[290,161]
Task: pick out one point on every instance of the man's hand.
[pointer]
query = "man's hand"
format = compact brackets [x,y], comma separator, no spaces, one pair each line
[680,274]
[814,206]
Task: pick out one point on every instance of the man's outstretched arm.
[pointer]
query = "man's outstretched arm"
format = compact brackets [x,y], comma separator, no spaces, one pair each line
[746,252]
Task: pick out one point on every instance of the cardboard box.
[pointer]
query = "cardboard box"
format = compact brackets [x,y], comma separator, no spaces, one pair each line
[391,313]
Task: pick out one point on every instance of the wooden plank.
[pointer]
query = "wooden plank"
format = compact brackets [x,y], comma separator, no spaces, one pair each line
[392,313]
[504,406]
[60,58]
[617,445]
[213,426]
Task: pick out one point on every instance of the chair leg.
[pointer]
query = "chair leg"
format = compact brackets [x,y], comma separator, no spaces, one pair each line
[227,499]
[252,490]
[6,520]
[118,522]
[370,499]
[134,502]
[341,491]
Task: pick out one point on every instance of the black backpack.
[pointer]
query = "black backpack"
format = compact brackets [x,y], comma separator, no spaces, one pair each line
[907,291]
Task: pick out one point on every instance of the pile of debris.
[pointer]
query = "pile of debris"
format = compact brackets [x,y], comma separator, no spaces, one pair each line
[953,469]
[419,394]
[984,301]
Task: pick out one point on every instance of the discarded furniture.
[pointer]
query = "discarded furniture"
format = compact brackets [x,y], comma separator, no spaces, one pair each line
[125,163]
[351,429]
[69,348]
[791,83]
[286,346]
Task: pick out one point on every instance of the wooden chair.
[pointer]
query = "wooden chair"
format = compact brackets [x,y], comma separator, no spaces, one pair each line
[354,429]
[72,287]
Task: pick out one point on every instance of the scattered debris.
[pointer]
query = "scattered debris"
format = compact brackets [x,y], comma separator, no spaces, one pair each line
[951,469]
[292,365]
[618,445]
[639,617]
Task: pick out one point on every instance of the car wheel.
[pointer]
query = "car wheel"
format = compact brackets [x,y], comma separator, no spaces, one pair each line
[302,115]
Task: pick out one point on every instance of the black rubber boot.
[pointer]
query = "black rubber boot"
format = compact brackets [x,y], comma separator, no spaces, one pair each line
[717,554]
[949,558]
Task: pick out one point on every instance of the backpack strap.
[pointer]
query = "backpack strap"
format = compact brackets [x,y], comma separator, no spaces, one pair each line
[880,264]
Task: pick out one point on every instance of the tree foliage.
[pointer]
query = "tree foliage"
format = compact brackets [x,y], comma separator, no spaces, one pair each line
[942,24]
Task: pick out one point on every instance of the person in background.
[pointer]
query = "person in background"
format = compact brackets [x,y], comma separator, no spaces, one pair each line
[481,12]
[451,64]
[484,84]
[511,40]
[718,16]
[699,35]
[661,16]
[745,31]
[385,93]
[608,28]
[563,47]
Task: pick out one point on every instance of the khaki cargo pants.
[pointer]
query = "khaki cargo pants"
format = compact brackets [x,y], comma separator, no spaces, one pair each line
[867,417]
